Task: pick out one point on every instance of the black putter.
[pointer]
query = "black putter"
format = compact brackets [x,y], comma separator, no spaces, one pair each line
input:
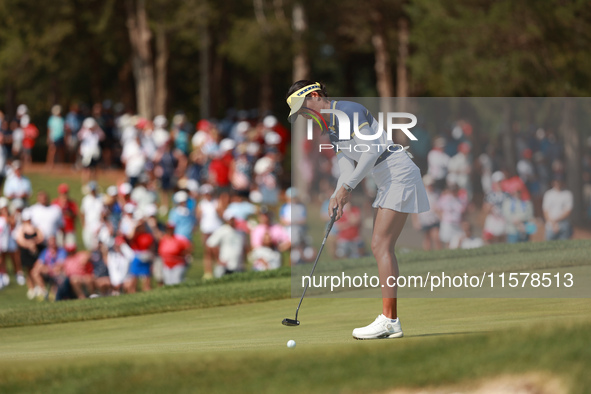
[296,322]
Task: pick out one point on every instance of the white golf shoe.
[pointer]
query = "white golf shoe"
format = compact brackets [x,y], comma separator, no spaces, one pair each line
[381,328]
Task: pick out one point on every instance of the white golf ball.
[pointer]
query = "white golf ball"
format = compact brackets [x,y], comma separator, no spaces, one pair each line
[291,343]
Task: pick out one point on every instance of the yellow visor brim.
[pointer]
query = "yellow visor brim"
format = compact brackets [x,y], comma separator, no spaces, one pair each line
[296,104]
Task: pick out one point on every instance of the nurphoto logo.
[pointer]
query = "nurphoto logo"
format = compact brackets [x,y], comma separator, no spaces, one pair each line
[345,124]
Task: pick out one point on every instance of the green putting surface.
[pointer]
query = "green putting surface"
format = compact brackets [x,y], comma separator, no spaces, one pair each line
[226,336]
[198,348]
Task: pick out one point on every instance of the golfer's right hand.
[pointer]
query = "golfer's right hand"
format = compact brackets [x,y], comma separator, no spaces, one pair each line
[331,206]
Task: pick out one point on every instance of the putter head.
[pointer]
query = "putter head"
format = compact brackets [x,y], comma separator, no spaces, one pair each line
[290,322]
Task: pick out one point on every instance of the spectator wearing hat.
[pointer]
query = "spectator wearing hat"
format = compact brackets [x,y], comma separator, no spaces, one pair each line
[511,182]
[181,216]
[349,242]
[267,241]
[265,170]
[494,223]
[125,190]
[46,217]
[90,137]
[8,245]
[160,135]
[219,166]
[209,212]
[114,208]
[192,189]
[69,210]
[73,123]
[4,151]
[17,185]
[55,136]
[91,209]
[143,246]
[180,133]
[169,165]
[526,171]
[428,222]
[100,270]
[127,223]
[118,259]
[30,134]
[293,216]
[134,159]
[232,244]
[518,214]
[157,229]
[79,279]
[438,162]
[47,269]
[241,209]
[16,136]
[557,206]
[451,208]
[29,240]
[460,167]
[174,251]
[240,170]
[144,193]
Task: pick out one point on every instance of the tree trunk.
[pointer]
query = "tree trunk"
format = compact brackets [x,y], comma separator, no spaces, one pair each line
[126,87]
[10,101]
[266,103]
[401,69]
[143,69]
[217,89]
[96,86]
[572,150]
[383,68]
[204,95]
[301,66]
[382,57]
[162,55]
[301,70]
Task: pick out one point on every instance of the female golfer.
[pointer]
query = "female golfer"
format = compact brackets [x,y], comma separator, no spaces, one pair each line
[400,188]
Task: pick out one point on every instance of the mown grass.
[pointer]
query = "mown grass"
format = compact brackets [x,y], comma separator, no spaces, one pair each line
[556,349]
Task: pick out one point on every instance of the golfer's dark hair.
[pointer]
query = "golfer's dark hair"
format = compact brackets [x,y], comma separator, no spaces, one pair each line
[305,82]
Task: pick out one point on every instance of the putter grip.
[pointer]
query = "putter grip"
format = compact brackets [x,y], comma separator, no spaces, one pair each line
[331,223]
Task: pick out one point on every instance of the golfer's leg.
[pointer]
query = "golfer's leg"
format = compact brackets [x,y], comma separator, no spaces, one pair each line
[388,225]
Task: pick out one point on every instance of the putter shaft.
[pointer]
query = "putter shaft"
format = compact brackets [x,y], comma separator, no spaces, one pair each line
[330,224]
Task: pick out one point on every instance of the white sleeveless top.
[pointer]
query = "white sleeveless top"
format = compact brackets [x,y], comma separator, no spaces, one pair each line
[210,221]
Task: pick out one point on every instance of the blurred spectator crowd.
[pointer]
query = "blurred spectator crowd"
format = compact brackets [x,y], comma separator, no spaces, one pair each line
[212,191]
[475,199]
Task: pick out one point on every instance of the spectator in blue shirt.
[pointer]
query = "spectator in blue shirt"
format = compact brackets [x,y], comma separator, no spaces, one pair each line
[73,124]
[17,185]
[56,128]
[48,267]
[181,216]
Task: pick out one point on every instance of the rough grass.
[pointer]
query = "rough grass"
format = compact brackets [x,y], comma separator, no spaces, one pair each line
[231,290]
[271,285]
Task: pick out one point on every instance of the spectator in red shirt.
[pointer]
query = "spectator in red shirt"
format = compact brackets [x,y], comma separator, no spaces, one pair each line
[79,271]
[69,213]
[30,133]
[143,246]
[510,184]
[219,168]
[349,241]
[174,250]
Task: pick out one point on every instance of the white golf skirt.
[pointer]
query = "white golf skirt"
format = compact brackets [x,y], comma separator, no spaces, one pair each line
[400,186]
